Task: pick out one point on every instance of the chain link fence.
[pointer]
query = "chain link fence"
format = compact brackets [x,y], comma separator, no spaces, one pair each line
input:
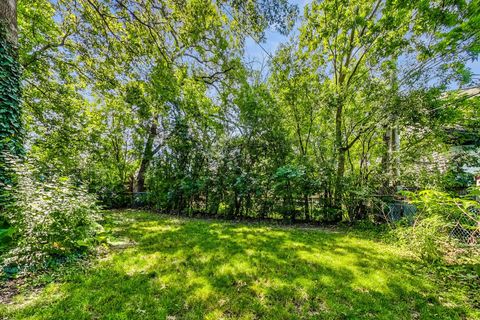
[467,228]
[464,227]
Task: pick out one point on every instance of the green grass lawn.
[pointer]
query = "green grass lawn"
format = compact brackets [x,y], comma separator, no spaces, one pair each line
[162,267]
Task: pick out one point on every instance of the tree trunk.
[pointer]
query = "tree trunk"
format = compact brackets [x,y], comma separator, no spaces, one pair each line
[396,154]
[306,207]
[10,112]
[146,159]
[238,204]
[391,157]
[387,157]
[340,175]
[8,19]
[340,155]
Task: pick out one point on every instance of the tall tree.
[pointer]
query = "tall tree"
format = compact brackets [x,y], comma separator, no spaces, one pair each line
[350,41]
[10,113]
[363,48]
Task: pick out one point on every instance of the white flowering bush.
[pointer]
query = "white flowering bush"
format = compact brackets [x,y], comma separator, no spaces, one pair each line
[52,219]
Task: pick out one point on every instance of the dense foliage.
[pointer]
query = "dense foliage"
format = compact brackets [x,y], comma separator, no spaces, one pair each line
[10,115]
[151,102]
[367,114]
[50,219]
[441,221]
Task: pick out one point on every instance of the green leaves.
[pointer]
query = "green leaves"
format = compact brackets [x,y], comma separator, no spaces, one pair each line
[11,132]
[116,91]
[51,219]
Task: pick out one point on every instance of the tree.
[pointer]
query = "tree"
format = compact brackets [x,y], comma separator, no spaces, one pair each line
[155,96]
[8,18]
[181,38]
[10,112]
[360,48]
[350,41]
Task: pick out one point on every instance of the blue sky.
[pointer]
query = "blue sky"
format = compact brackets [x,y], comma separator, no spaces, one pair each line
[253,53]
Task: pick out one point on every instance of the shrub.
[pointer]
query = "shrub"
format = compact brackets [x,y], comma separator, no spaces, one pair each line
[427,238]
[51,218]
[438,213]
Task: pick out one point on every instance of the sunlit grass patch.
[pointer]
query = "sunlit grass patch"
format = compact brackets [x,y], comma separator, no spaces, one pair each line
[179,268]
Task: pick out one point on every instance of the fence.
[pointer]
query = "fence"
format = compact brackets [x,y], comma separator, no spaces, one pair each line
[387,208]
[464,228]
[467,228]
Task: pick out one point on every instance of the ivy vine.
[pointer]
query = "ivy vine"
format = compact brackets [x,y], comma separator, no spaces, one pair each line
[10,112]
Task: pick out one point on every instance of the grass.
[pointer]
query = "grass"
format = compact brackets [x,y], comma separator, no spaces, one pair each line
[162,267]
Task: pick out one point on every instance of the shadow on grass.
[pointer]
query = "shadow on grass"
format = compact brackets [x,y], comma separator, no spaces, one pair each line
[193,269]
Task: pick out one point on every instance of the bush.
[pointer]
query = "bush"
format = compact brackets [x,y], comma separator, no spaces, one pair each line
[428,235]
[427,238]
[51,218]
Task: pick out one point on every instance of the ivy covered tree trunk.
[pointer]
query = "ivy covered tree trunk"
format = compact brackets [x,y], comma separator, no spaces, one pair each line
[10,113]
